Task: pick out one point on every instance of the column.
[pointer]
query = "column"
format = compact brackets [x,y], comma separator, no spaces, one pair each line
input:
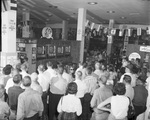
[25,20]
[8,54]
[81,31]
[65,30]
[110,37]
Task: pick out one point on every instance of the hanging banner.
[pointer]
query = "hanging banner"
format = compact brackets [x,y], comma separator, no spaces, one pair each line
[145,48]
[139,30]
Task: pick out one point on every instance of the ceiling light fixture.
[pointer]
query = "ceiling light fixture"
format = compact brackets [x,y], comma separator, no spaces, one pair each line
[111,11]
[92,3]
[123,17]
[51,6]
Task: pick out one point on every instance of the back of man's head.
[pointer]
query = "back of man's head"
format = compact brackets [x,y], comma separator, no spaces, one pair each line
[24,67]
[34,77]
[127,79]
[79,74]
[89,70]
[49,64]
[41,68]
[27,81]
[17,79]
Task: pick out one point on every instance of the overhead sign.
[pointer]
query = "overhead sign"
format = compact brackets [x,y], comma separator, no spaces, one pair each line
[134,56]
[47,32]
[145,48]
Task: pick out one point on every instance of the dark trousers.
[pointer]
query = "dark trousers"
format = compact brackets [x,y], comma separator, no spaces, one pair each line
[138,110]
[53,102]
[44,99]
[35,117]
[87,111]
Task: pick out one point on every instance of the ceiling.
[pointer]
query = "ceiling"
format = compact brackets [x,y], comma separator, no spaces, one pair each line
[54,11]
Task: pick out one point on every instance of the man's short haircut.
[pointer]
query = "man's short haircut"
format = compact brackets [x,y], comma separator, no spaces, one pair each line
[24,67]
[127,78]
[41,67]
[120,89]
[27,81]
[89,70]
[60,69]
[49,64]
[17,79]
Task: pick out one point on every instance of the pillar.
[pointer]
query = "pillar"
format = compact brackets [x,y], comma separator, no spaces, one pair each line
[110,37]
[81,31]
[65,30]
[25,20]
[8,53]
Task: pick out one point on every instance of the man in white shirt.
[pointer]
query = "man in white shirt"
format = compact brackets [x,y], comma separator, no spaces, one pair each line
[45,86]
[10,82]
[66,75]
[50,72]
[35,85]
[81,85]
[24,70]
[129,89]
[128,71]
[97,70]
[30,104]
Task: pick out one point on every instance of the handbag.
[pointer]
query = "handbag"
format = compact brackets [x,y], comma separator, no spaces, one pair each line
[131,110]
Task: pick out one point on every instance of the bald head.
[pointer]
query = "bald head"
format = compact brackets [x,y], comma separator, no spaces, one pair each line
[34,77]
[27,81]
[79,75]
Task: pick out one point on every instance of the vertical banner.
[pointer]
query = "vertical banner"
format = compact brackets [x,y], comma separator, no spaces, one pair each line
[111,23]
[139,30]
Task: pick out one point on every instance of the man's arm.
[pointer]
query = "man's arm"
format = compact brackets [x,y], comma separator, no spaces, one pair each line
[20,109]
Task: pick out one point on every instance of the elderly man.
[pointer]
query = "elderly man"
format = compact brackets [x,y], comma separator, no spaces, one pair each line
[30,105]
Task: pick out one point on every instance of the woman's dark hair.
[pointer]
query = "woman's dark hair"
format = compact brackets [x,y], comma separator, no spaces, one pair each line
[120,89]
[72,88]
[7,69]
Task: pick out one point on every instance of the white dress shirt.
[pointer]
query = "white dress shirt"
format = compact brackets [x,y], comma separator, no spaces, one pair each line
[29,104]
[91,83]
[99,73]
[35,86]
[49,74]
[9,84]
[81,88]
[70,103]
[67,77]
[119,106]
[24,73]
[43,82]
[129,91]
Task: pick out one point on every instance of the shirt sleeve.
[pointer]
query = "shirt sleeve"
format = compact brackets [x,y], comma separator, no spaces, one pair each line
[59,107]
[78,108]
[20,108]
[93,101]
[41,107]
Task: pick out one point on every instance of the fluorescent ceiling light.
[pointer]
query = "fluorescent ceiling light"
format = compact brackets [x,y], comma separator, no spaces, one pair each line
[92,3]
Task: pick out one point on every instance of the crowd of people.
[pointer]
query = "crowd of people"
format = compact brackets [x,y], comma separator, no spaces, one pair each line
[94,90]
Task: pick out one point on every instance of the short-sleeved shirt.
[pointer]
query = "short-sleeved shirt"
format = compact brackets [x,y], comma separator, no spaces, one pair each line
[4,109]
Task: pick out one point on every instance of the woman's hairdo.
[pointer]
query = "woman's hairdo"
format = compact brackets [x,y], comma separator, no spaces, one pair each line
[120,89]
[72,88]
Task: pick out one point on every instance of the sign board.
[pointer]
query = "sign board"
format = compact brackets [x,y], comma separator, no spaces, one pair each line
[134,55]
[145,48]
